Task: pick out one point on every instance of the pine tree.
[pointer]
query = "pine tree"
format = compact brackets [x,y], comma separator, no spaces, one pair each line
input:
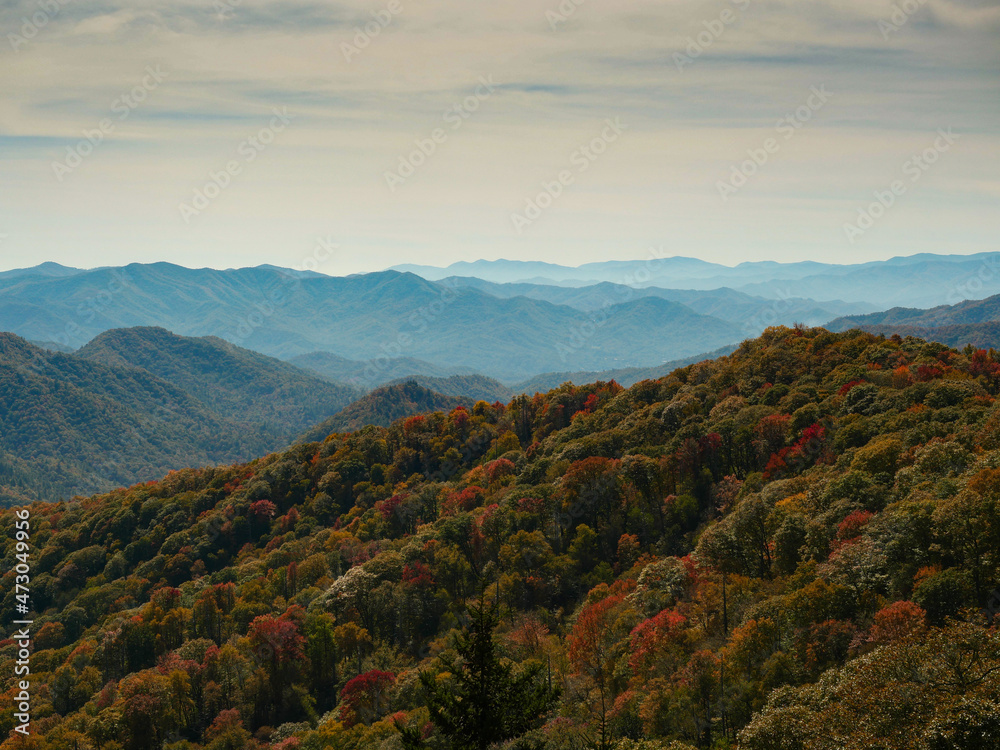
[487,701]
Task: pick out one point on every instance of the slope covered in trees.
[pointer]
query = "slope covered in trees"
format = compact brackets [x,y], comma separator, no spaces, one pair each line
[135,403]
[971,322]
[68,425]
[795,546]
[383,406]
[475,387]
[265,394]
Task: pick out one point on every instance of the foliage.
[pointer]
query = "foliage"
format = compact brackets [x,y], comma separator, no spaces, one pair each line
[738,553]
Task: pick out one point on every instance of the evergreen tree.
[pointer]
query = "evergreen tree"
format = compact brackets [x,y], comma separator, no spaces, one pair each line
[487,701]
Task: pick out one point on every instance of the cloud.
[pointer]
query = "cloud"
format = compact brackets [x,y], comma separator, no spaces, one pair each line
[231,62]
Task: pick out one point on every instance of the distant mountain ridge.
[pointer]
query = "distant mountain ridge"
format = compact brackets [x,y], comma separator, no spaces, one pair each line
[50,269]
[964,313]
[924,279]
[753,313]
[369,374]
[358,317]
[627,376]
[473,387]
[401,325]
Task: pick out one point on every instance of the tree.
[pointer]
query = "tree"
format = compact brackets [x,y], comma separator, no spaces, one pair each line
[486,701]
[321,648]
[365,698]
[595,648]
[227,733]
[279,648]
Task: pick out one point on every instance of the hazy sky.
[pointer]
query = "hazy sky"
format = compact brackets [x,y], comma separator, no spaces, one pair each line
[184,89]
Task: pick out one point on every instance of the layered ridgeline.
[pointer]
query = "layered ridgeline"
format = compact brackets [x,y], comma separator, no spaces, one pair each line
[135,403]
[795,546]
[372,318]
[975,322]
[921,280]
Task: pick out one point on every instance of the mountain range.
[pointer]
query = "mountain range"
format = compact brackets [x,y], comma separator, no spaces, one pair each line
[371,329]
[921,280]
[364,317]
[156,400]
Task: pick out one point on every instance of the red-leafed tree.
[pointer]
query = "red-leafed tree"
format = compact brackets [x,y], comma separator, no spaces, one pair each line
[366,698]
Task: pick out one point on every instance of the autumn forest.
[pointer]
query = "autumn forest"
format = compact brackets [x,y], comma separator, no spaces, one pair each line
[796,546]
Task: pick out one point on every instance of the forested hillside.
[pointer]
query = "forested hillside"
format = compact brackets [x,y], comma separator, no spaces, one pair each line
[975,322]
[135,403]
[383,406]
[69,425]
[794,546]
[263,393]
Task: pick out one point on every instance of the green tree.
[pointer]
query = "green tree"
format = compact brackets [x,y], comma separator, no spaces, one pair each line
[487,700]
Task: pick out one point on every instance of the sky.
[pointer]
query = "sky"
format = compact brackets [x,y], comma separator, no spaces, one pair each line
[353,136]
